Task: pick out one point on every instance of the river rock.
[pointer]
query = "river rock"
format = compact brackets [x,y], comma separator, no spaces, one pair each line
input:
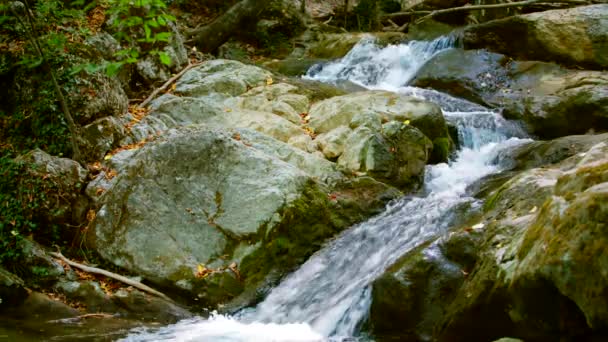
[373,108]
[545,153]
[551,100]
[210,212]
[397,155]
[574,36]
[221,76]
[531,268]
[12,290]
[337,45]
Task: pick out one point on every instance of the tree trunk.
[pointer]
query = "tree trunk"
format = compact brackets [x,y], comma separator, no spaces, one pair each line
[212,36]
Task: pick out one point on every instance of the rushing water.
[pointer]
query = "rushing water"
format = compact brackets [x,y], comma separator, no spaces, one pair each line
[328,296]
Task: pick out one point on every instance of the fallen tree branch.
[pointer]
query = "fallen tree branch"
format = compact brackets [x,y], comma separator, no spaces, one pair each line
[394,27]
[477,8]
[112,275]
[166,85]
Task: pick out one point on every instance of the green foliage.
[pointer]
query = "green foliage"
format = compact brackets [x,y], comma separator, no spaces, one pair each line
[142,26]
[21,198]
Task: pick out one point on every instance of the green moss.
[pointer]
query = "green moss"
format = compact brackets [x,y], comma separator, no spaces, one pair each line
[293,66]
[490,202]
[309,221]
[305,224]
[441,150]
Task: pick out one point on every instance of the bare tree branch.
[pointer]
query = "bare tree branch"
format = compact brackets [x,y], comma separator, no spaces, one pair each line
[112,275]
[431,14]
[166,85]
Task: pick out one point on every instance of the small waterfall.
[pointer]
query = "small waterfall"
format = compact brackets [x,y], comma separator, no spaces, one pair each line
[329,295]
[374,67]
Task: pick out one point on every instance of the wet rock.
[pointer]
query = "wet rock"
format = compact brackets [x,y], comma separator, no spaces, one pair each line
[40,307]
[551,100]
[293,66]
[546,153]
[531,269]
[477,80]
[574,36]
[12,290]
[148,308]
[333,46]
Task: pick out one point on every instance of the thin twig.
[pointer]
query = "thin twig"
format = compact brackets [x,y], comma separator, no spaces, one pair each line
[167,84]
[112,275]
[479,7]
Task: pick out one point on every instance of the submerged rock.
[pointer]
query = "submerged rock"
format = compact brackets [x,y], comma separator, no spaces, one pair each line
[574,36]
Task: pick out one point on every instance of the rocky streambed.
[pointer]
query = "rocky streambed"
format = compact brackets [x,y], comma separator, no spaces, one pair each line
[280,201]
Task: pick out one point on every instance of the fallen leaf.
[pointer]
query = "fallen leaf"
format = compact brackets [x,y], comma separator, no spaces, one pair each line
[478,226]
[111,174]
[406,122]
[269,81]
[533,210]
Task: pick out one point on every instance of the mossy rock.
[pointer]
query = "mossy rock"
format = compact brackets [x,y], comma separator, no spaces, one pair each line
[293,66]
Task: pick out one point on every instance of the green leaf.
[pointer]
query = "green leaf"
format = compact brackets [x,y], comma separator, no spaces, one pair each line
[76,69]
[161,21]
[164,58]
[163,36]
[152,23]
[113,68]
[148,32]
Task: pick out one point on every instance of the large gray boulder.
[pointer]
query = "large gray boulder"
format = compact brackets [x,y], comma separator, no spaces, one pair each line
[574,36]
[211,212]
[551,100]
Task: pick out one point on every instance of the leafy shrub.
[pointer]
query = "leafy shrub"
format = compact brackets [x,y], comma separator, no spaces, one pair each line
[142,27]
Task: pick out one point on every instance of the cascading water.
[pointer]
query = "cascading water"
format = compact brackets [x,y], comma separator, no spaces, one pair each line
[329,295]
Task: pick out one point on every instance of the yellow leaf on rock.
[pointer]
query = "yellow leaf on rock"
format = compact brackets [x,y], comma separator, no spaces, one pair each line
[107,157]
[269,81]
[407,122]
